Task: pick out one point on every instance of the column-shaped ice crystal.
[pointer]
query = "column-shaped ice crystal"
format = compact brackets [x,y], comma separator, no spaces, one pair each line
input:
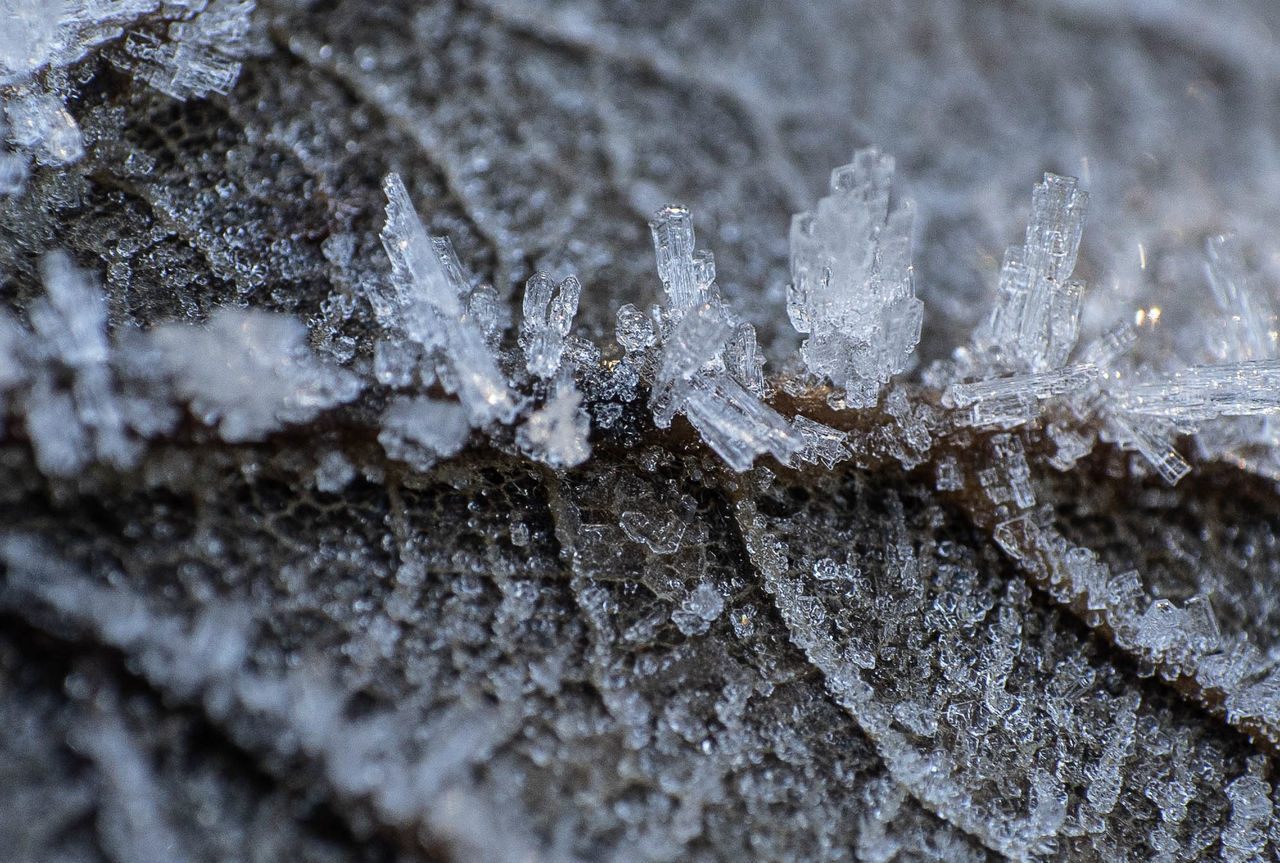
[1250,388]
[1033,324]
[197,56]
[709,366]
[548,315]
[430,308]
[687,274]
[851,289]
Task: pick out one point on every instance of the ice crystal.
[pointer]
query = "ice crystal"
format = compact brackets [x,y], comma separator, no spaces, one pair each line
[421,431]
[695,377]
[851,288]
[556,434]
[196,55]
[250,373]
[548,316]
[430,294]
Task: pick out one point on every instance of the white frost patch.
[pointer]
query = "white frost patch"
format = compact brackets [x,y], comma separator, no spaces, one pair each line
[251,373]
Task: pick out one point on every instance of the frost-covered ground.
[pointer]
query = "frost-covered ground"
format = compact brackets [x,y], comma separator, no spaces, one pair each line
[514,430]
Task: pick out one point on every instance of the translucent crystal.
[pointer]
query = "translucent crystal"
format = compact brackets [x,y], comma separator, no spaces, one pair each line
[703,605]
[635,330]
[1153,437]
[822,444]
[201,55]
[708,362]
[1005,402]
[430,293]
[687,275]
[548,316]
[851,288]
[742,358]
[1034,322]
[1250,388]
[41,124]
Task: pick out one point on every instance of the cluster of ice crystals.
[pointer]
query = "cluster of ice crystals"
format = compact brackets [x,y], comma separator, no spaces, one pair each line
[184,49]
[251,372]
[1032,327]
[196,55]
[709,367]
[1019,354]
[1019,359]
[556,434]
[851,288]
[430,308]
[420,431]
[1229,399]
[70,424]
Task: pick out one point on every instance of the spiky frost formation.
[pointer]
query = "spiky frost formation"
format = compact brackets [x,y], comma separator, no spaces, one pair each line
[613,652]
[851,289]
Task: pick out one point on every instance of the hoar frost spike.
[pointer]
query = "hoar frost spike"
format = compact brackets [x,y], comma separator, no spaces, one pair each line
[851,288]
[708,368]
[429,296]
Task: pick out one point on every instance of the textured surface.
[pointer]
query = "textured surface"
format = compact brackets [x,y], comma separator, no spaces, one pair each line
[239,621]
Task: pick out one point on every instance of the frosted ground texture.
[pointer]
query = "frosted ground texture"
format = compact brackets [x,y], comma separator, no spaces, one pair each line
[605,431]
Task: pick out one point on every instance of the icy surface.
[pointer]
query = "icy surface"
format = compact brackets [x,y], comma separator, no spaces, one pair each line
[326,537]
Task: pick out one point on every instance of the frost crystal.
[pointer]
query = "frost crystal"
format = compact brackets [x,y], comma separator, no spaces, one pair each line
[251,372]
[185,49]
[703,348]
[421,431]
[851,288]
[70,426]
[430,307]
[197,56]
[548,315]
[556,434]
[1033,325]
